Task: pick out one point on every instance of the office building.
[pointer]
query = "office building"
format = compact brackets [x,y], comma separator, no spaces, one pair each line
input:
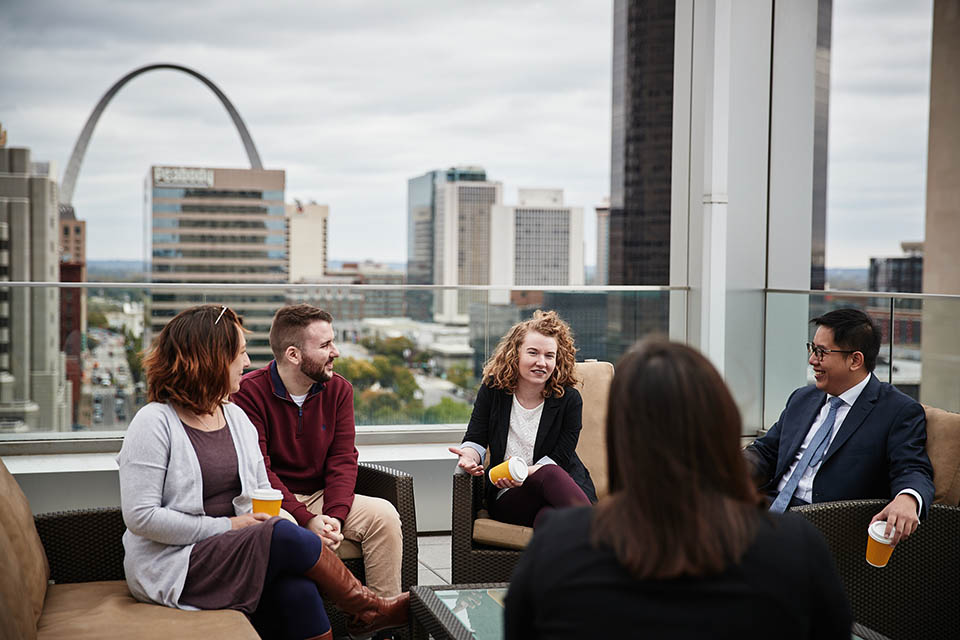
[73,300]
[34,393]
[641,143]
[536,243]
[421,232]
[821,127]
[902,274]
[462,243]
[602,274]
[218,226]
[307,241]
[374,303]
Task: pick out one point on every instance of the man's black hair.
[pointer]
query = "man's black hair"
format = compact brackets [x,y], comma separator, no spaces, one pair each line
[853,330]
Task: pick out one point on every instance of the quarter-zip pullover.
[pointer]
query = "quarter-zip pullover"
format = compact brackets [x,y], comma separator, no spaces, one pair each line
[305,448]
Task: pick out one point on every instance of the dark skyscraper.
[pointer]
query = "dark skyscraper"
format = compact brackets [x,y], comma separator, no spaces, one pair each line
[641,142]
[821,124]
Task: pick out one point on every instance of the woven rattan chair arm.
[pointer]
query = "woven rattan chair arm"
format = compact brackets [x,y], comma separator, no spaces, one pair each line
[396,487]
[84,545]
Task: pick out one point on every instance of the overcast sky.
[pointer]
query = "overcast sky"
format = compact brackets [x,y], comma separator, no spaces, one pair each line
[352,98]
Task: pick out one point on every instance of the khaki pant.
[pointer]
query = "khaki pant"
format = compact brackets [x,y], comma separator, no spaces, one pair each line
[371,531]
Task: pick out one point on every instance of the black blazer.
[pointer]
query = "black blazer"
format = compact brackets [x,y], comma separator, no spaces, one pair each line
[785,586]
[879,450]
[557,434]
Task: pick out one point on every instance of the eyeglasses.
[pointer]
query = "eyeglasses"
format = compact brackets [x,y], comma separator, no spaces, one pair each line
[820,352]
[222,311]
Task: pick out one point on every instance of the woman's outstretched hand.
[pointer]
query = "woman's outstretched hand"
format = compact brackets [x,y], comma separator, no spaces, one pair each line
[247,520]
[469,460]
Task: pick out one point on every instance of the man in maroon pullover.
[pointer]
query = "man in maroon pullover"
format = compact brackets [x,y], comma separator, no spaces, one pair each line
[304,413]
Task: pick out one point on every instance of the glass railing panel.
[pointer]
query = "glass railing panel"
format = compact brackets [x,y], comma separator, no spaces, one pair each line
[927,349]
[900,361]
[409,365]
[919,351]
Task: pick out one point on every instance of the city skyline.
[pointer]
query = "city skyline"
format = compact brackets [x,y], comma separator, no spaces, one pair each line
[351,105]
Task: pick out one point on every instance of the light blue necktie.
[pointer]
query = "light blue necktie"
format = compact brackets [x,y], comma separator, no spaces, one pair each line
[811,456]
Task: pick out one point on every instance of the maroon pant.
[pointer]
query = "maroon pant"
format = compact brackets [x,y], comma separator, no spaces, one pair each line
[550,487]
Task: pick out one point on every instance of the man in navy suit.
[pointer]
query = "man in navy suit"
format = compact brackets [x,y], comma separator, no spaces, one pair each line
[875,447]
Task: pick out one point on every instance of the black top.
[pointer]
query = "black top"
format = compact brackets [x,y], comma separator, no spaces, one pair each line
[557,434]
[786,587]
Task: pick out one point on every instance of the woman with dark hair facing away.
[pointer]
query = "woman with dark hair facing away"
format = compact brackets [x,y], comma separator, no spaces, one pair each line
[683,546]
[528,408]
[188,466]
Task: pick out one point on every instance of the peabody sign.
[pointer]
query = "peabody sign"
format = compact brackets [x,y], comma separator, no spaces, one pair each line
[182,177]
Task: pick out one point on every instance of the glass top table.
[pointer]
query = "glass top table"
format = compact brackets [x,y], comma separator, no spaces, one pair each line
[458,612]
[475,612]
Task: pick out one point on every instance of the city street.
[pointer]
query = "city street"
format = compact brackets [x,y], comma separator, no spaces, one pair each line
[108,391]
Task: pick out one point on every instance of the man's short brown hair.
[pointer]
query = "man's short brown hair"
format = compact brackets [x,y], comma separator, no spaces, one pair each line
[289,323]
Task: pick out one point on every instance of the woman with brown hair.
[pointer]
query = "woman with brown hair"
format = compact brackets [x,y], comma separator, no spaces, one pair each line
[683,547]
[189,463]
[528,408]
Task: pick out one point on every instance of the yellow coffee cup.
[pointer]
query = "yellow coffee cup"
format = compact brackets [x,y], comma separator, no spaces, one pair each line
[513,468]
[267,501]
[879,546]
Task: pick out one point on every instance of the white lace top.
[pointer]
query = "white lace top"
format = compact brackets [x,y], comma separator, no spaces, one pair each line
[523,431]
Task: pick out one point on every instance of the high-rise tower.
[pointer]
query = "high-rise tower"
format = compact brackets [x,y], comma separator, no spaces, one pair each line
[218,226]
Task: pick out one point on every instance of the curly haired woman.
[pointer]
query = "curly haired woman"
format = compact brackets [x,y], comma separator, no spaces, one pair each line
[528,408]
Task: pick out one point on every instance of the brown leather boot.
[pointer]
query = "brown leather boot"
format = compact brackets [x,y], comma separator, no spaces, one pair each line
[368,611]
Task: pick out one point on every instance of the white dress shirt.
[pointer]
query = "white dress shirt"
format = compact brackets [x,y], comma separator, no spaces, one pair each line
[805,486]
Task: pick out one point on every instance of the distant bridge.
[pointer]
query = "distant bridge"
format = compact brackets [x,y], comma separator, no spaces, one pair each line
[80,148]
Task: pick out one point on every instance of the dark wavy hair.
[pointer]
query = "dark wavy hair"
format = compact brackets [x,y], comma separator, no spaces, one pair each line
[189,362]
[502,370]
[681,500]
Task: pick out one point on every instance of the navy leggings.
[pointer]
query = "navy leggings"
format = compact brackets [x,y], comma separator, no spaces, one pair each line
[290,607]
[550,487]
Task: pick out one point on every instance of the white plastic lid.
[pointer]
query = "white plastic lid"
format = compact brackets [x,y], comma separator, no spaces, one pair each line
[267,494]
[518,469]
[876,532]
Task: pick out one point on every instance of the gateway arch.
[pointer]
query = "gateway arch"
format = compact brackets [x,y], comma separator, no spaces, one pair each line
[80,148]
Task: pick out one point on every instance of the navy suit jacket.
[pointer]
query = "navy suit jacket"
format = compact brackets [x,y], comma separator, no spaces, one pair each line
[557,435]
[879,450]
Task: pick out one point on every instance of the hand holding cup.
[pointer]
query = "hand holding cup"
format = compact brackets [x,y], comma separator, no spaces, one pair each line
[509,474]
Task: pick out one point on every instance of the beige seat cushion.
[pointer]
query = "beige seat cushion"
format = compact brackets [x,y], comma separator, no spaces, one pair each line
[23,564]
[105,610]
[943,447]
[500,534]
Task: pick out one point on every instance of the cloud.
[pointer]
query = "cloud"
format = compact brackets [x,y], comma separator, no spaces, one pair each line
[879,109]
[350,98]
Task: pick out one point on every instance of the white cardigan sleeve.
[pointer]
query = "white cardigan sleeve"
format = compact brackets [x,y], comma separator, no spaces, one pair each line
[144,463]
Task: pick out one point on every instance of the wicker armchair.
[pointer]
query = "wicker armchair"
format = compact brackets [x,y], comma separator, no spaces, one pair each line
[486,550]
[85,545]
[917,595]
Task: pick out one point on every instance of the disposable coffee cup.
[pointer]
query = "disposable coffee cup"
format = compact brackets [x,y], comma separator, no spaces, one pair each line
[267,501]
[513,468]
[879,546]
